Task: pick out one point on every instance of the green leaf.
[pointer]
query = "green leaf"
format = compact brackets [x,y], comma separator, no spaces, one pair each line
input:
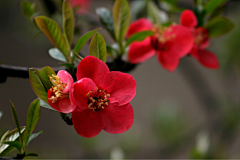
[97,47]
[68,21]
[28,9]
[53,32]
[33,116]
[139,36]
[121,19]
[56,54]
[83,40]
[1,114]
[15,118]
[34,135]
[44,76]
[31,154]
[219,26]
[15,144]
[213,4]
[9,136]
[45,105]
[106,20]
[153,13]
[37,84]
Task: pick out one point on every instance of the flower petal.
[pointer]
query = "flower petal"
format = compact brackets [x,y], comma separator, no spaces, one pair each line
[87,123]
[141,24]
[53,105]
[80,90]
[169,58]
[188,19]
[182,39]
[206,58]
[140,51]
[65,105]
[66,78]
[93,68]
[118,118]
[120,86]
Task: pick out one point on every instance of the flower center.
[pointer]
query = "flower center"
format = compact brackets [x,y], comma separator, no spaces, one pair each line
[200,36]
[159,38]
[97,99]
[57,89]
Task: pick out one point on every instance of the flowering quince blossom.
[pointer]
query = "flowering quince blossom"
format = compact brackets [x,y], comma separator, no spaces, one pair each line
[58,95]
[102,98]
[169,43]
[201,41]
[81,5]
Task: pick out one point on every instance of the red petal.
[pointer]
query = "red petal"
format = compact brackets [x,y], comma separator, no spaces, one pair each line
[182,40]
[140,51]
[118,118]
[66,78]
[141,24]
[80,90]
[87,123]
[53,105]
[188,19]
[169,58]
[207,59]
[94,68]
[120,86]
[65,105]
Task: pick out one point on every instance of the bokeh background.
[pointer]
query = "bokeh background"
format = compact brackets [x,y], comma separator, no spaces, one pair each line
[190,113]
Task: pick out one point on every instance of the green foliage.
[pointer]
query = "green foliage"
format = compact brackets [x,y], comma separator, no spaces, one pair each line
[106,20]
[45,105]
[44,76]
[15,144]
[31,154]
[121,20]
[28,9]
[153,13]
[68,21]
[219,26]
[9,137]
[213,5]
[15,118]
[33,116]
[139,36]
[97,47]
[56,54]
[37,84]
[53,32]
[33,136]
[83,40]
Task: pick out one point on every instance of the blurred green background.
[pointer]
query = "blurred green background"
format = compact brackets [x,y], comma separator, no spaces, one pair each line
[190,113]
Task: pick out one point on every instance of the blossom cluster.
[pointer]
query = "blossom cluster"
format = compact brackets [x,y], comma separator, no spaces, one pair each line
[172,42]
[98,100]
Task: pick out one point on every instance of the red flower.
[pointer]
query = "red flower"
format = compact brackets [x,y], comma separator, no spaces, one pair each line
[102,98]
[201,41]
[81,5]
[170,44]
[58,95]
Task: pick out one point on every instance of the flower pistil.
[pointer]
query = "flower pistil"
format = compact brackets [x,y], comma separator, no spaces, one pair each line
[57,89]
[97,99]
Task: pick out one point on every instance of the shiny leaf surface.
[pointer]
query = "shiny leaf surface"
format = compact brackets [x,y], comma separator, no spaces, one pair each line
[97,47]
[44,76]
[33,116]
[37,84]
